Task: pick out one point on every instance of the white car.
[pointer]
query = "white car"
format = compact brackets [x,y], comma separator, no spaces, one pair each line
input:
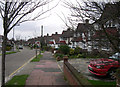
[20,47]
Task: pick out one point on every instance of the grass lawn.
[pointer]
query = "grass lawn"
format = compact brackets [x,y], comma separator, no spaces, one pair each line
[102,83]
[37,59]
[42,51]
[17,81]
[9,53]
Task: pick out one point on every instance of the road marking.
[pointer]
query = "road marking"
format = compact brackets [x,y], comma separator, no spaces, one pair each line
[21,67]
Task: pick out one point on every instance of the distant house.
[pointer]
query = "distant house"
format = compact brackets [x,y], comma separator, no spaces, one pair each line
[110,21]
[101,41]
[66,37]
[82,35]
[52,40]
[48,39]
[31,41]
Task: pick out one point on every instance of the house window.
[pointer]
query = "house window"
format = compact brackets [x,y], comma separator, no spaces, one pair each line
[78,34]
[75,35]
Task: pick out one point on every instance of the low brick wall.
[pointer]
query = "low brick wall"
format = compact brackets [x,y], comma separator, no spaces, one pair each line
[75,78]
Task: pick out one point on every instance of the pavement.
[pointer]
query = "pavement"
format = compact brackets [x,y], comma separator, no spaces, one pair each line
[44,72]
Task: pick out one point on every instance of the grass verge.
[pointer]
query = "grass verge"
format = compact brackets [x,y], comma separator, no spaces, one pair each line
[42,51]
[37,59]
[7,53]
[17,81]
[10,53]
[102,83]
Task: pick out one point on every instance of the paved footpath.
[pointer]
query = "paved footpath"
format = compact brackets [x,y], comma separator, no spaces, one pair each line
[46,72]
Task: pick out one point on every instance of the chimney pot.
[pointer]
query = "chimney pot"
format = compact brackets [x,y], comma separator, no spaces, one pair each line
[56,32]
[47,34]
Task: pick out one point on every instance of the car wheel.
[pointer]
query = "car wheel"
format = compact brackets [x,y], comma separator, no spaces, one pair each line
[112,74]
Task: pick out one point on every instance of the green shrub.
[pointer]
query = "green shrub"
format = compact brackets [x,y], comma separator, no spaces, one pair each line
[47,48]
[71,52]
[8,48]
[64,49]
[77,50]
[79,56]
[73,56]
[59,55]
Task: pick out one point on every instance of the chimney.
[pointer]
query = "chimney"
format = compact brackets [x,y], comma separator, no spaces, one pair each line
[68,29]
[56,32]
[87,21]
[47,34]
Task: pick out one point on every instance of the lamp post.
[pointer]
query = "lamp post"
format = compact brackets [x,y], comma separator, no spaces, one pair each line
[41,38]
[13,37]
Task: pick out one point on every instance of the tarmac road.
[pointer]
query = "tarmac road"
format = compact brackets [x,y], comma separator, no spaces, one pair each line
[14,61]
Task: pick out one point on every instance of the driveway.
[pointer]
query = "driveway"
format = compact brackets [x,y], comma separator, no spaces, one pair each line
[81,65]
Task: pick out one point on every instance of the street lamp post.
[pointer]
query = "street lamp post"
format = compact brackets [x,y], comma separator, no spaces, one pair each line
[13,37]
[41,38]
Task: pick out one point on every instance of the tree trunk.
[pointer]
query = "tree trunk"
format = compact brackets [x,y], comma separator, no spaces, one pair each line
[3,59]
[36,51]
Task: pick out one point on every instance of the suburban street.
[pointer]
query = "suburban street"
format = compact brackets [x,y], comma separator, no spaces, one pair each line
[16,60]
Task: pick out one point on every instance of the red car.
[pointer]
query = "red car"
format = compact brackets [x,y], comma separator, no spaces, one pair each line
[105,66]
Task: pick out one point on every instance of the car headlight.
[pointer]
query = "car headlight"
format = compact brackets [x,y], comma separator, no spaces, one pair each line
[99,67]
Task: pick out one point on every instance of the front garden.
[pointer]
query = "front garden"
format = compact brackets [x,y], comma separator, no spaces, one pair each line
[78,53]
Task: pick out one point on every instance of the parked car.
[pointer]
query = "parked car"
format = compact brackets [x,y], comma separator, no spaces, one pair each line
[20,47]
[105,66]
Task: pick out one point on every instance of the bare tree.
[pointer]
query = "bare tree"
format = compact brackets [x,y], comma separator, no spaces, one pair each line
[67,21]
[14,12]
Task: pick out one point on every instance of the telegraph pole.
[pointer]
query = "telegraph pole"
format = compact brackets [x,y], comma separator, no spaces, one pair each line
[42,31]
[42,37]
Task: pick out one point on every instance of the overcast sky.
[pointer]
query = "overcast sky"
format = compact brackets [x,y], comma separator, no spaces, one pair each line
[51,24]
[32,29]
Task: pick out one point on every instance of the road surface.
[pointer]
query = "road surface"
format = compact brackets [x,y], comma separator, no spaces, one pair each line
[15,61]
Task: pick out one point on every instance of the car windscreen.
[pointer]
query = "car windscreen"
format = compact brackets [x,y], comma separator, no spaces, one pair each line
[115,56]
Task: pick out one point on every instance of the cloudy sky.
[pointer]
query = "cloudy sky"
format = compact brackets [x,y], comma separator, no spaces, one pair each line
[51,24]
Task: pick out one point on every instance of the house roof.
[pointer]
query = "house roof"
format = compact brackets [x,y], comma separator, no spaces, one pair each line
[83,27]
[56,37]
[47,38]
[67,34]
[51,42]
[110,30]
[62,42]
[77,39]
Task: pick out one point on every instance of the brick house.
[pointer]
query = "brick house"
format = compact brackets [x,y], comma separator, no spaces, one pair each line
[100,40]
[82,35]
[52,40]
[66,37]
[110,21]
